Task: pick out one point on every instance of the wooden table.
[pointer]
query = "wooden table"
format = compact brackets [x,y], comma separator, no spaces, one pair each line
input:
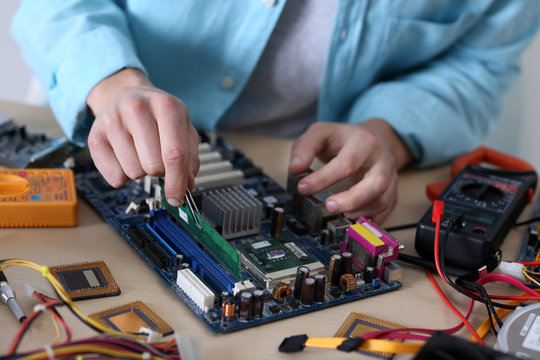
[415,305]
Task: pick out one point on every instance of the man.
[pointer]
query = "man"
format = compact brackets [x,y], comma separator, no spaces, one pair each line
[384,83]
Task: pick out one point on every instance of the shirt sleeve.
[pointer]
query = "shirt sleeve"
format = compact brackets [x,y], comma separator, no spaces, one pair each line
[71,46]
[445,107]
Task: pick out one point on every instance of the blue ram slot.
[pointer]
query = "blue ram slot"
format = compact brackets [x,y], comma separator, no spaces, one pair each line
[201,262]
[159,242]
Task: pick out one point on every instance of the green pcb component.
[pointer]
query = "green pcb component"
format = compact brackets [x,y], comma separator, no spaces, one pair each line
[206,235]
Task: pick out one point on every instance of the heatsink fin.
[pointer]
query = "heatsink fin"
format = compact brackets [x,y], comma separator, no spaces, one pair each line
[232,210]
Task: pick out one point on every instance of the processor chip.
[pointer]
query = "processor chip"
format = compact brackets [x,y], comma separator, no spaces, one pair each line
[131,317]
[87,280]
[277,260]
[359,324]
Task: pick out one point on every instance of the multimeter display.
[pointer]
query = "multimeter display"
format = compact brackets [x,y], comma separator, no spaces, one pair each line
[490,201]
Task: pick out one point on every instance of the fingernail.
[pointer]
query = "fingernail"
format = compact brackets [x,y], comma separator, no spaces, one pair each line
[332,206]
[294,160]
[303,188]
[174,202]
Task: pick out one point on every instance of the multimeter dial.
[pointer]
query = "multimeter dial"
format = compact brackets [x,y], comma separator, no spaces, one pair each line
[485,192]
[482,192]
[489,201]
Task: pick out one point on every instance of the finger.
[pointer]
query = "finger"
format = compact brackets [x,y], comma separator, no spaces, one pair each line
[307,146]
[379,209]
[143,129]
[348,161]
[105,160]
[173,127]
[194,162]
[374,184]
[122,144]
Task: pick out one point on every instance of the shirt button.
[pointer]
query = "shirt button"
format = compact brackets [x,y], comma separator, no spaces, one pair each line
[227,82]
[269,2]
[343,34]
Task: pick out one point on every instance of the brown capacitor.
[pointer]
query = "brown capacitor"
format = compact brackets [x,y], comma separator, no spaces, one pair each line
[346,267]
[334,270]
[302,272]
[320,287]
[244,305]
[276,225]
[258,304]
[308,291]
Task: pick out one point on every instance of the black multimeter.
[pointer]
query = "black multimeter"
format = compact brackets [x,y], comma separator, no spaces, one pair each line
[490,201]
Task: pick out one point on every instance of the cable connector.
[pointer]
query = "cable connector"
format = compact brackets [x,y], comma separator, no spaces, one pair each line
[294,343]
[437,210]
[456,220]
[8,297]
[513,269]
[188,348]
[351,344]
[152,337]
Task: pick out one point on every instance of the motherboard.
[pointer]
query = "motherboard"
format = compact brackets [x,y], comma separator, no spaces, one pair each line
[246,251]
[254,252]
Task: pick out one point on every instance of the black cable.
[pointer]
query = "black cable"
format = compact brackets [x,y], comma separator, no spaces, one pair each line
[492,313]
[527,222]
[77,315]
[453,221]
[401,227]
[428,264]
[484,298]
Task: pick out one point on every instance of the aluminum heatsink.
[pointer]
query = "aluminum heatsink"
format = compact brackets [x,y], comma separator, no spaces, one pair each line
[232,211]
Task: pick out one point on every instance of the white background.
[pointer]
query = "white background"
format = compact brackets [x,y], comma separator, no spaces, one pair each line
[515,134]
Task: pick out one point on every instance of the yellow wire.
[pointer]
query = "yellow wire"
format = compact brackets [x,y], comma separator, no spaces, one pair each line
[63,294]
[533,280]
[484,329]
[81,349]
[374,345]
[530,271]
[325,342]
[394,347]
[58,331]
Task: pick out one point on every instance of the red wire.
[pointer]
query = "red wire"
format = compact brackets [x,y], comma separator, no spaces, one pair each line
[436,248]
[22,328]
[507,279]
[390,333]
[456,311]
[528,263]
[46,300]
[510,297]
[438,209]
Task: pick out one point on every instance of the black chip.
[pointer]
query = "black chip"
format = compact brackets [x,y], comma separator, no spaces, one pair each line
[86,280]
[82,279]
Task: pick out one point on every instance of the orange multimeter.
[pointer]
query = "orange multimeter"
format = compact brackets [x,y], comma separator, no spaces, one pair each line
[37,198]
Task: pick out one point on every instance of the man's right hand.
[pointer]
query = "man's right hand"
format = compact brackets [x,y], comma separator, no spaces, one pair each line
[141,130]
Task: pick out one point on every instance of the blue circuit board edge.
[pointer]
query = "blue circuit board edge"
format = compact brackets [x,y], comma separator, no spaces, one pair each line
[531,241]
[105,200]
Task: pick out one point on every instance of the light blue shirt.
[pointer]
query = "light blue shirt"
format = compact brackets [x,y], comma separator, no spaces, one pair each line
[434,69]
